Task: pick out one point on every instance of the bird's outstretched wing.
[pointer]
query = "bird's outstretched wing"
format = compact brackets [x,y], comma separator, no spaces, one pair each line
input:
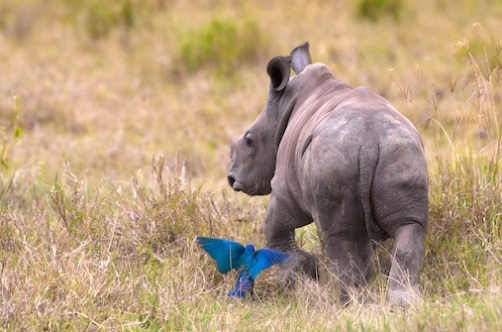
[243,284]
[226,253]
[264,258]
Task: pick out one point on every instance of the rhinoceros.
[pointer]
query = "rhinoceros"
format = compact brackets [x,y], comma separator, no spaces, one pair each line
[341,157]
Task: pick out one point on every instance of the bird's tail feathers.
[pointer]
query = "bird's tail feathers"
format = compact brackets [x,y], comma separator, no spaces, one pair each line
[243,284]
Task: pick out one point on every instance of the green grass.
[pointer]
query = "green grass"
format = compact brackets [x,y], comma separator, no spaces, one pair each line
[114,153]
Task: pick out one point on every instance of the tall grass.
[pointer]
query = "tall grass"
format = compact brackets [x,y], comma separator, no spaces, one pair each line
[114,159]
[466,192]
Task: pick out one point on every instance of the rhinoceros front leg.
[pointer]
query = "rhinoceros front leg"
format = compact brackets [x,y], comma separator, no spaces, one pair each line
[280,223]
[407,258]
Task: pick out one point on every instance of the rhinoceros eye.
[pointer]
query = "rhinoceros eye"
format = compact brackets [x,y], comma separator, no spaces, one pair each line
[249,140]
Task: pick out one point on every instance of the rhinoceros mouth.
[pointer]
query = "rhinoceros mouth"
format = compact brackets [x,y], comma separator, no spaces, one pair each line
[262,189]
[236,185]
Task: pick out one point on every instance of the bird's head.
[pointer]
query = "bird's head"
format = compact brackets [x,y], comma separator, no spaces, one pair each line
[249,248]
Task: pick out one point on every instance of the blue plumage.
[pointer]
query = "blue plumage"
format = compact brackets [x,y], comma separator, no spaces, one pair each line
[230,255]
[243,284]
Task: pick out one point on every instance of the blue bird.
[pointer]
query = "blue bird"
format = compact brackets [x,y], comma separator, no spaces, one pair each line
[230,255]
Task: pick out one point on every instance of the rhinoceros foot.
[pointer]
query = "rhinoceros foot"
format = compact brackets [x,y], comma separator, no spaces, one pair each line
[404,298]
[298,264]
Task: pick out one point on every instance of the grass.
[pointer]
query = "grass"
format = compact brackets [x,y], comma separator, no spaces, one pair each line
[114,157]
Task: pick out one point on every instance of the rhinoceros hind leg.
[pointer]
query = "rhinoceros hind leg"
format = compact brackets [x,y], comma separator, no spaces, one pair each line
[350,261]
[407,258]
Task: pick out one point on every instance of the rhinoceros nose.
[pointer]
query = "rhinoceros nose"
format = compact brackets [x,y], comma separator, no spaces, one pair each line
[231,180]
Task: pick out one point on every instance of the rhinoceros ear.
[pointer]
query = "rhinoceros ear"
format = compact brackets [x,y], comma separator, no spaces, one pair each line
[300,57]
[278,69]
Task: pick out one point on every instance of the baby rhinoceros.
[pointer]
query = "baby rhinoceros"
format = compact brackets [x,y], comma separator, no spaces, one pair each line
[343,158]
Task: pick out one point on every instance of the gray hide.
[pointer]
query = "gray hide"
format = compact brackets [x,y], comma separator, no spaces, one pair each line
[344,158]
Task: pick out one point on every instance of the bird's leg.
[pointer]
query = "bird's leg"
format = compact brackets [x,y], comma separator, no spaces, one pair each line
[251,293]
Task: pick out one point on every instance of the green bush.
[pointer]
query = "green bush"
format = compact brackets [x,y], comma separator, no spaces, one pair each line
[222,44]
[375,10]
[102,17]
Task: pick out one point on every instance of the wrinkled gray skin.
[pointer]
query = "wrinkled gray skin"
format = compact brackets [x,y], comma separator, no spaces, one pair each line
[343,158]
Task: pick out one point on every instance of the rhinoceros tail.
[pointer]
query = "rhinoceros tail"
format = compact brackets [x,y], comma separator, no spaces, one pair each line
[368,159]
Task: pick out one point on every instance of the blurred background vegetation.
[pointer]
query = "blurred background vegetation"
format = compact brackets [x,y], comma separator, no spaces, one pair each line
[165,77]
[115,123]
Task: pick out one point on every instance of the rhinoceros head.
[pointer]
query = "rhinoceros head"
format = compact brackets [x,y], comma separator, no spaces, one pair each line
[254,153]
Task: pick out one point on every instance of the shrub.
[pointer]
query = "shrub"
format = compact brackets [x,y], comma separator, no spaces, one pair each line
[102,17]
[377,9]
[222,43]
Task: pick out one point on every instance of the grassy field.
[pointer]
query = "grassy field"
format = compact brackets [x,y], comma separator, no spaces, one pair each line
[115,123]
